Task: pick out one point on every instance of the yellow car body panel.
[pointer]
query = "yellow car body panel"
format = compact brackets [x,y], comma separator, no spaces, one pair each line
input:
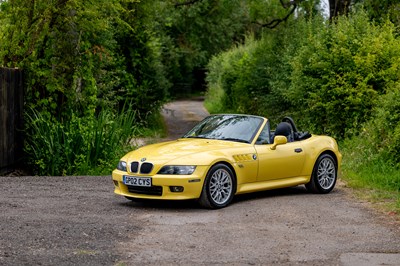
[199,152]
[192,185]
[256,167]
[280,163]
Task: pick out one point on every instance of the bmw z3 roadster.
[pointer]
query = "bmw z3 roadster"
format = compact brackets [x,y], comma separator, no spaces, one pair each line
[225,155]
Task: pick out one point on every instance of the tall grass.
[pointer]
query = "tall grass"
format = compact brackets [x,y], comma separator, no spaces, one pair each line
[80,146]
[375,178]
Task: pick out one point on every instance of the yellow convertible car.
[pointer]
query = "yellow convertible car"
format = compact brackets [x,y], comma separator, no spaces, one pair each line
[225,155]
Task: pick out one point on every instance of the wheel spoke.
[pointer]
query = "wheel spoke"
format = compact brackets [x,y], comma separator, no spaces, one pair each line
[220,186]
[326,173]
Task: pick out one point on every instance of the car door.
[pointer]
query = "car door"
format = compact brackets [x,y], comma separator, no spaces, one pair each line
[285,161]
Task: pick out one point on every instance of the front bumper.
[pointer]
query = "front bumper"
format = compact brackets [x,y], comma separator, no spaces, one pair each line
[192,185]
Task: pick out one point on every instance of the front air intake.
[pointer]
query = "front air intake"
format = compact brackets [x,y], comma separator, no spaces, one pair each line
[134,167]
[146,168]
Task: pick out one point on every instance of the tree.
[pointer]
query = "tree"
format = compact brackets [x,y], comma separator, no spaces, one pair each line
[199,30]
[291,6]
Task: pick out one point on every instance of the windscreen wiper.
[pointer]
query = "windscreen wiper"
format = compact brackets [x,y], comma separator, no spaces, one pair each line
[196,137]
[235,139]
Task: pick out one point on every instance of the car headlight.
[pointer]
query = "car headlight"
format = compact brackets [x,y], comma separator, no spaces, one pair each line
[177,170]
[121,166]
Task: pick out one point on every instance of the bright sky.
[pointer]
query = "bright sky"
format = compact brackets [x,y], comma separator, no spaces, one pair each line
[325,7]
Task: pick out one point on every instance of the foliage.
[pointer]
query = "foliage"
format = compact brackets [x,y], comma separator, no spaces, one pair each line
[64,61]
[82,60]
[80,56]
[380,136]
[372,159]
[141,43]
[194,31]
[242,78]
[338,76]
[80,146]
[380,10]
[328,77]
[197,31]
[386,125]
[253,77]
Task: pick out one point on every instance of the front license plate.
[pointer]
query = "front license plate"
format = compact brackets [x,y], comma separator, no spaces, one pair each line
[137,181]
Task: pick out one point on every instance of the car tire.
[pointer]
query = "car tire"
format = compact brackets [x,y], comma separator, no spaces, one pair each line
[219,187]
[324,176]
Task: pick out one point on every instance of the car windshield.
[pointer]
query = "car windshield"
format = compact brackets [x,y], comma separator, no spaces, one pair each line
[238,128]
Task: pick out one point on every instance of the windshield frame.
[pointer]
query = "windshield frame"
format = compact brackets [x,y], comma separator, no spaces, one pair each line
[228,123]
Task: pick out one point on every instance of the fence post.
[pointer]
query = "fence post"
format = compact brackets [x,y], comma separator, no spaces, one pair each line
[11,123]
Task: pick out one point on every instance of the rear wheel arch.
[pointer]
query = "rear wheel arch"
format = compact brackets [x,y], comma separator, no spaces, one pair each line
[331,153]
[314,161]
[324,174]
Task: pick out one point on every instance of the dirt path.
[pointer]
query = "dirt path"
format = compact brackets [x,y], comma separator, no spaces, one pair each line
[181,116]
[78,221]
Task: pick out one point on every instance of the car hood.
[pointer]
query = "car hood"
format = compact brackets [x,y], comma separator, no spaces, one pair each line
[182,149]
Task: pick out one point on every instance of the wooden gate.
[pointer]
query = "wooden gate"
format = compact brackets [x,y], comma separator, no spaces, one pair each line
[11,108]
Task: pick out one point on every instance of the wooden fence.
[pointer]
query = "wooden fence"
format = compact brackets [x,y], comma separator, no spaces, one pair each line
[11,110]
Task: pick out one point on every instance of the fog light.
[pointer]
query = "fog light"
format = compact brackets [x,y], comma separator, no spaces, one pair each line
[115,183]
[176,189]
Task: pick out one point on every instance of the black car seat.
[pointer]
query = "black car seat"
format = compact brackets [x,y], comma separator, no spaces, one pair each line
[285,129]
[297,136]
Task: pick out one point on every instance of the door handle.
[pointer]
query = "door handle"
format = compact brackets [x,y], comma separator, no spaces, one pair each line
[298,150]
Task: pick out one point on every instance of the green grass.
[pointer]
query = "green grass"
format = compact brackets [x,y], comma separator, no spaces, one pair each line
[373,178]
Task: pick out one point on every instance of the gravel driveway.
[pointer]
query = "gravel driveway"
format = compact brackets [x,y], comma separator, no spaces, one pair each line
[79,221]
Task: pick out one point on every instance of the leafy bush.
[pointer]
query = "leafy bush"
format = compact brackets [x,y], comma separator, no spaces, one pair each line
[380,136]
[254,77]
[328,77]
[222,77]
[240,78]
[80,56]
[339,74]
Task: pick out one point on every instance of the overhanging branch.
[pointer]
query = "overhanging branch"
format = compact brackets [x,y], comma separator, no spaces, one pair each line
[275,22]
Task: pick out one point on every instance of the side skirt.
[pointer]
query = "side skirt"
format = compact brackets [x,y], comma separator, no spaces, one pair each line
[272,184]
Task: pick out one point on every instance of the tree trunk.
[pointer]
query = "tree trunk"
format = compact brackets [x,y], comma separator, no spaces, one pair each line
[338,7]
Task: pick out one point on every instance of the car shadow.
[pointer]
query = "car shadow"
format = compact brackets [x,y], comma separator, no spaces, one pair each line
[182,205]
[161,204]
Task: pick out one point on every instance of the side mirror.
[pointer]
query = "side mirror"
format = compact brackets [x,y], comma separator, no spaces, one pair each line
[278,140]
